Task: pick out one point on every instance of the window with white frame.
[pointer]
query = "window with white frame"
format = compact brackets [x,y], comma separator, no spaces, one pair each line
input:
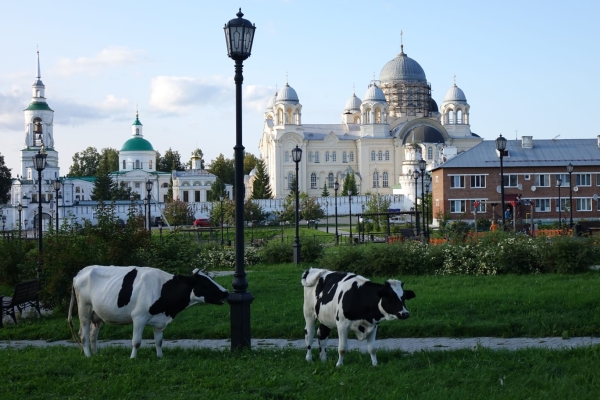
[457,181]
[290,180]
[597,179]
[457,206]
[351,156]
[583,179]
[330,180]
[373,155]
[511,180]
[316,156]
[430,153]
[334,156]
[542,205]
[310,156]
[480,207]
[387,155]
[313,181]
[286,156]
[375,179]
[565,178]
[344,157]
[584,204]
[478,181]
[563,205]
[326,156]
[542,180]
[386,181]
[380,155]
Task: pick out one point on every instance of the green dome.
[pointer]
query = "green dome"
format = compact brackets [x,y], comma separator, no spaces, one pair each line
[137,144]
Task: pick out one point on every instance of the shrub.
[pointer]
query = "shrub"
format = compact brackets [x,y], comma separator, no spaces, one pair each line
[276,252]
[311,250]
[565,254]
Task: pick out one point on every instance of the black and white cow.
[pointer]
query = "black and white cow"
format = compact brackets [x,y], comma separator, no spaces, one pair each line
[136,295]
[349,302]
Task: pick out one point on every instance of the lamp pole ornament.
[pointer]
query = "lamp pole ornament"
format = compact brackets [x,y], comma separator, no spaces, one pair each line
[239,35]
[297,157]
[501,147]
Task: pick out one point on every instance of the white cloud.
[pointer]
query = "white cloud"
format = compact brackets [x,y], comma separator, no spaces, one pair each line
[177,95]
[11,108]
[110,57]
[111,108]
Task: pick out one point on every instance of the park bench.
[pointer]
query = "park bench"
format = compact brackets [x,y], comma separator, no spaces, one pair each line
[587,228]
[26,294]
[408,233]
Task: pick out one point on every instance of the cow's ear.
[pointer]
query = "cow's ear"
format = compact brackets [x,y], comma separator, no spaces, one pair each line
[409,294]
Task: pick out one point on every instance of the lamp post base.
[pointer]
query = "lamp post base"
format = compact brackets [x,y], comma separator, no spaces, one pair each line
[296,249]
[239,304]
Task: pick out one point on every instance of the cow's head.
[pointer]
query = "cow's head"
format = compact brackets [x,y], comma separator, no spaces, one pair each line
[393,297]
[205,287]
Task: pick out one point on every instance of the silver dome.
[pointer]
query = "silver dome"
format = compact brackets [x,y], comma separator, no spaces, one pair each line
[455,94]
[287,94]
[374,93]
[352,105]
[402,68]
[271,102]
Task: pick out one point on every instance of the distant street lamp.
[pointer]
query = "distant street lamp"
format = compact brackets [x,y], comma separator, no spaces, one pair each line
[558,184]
[363,223]
[221,200]
[327,216]
[39,162]
[149,190]
[297,157]
[20,209]
[146,219]
[426,211]
[350,212]
[416,176]
[570,171]
[251,228]
[3,224]
[422,166]
[56,184]
[336,187]
[501,147]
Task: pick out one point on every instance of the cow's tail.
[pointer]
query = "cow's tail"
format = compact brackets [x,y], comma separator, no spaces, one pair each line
[70,319]
[311,276]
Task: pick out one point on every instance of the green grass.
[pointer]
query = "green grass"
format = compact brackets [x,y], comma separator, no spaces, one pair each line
[284,374]
[452,306]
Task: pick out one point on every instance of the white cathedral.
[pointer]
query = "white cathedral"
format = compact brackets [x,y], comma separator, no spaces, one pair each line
[380,138]
[137,166]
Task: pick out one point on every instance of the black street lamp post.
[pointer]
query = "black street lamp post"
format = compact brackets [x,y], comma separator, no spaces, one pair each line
[251,228]
[56,184]
[336,187]
[416,176]
[427,211]
[327,216]
[501,147]
[221,200]
[39,162]
[297,157]
[559,183]
[570,171]
[20,209]
[3,225]
[239,34]
[422,166]
[350,212]
[149,190]
[145,214]
[363,223]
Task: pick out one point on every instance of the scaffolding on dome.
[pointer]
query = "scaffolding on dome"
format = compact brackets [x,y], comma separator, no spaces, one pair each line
[407,99]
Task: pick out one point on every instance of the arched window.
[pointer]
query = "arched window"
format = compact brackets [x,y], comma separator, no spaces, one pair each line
[290,180]
[450,117]
[289,116]
[330,180]
[297,117]
[279,117]
[375,179]
[368,116]
[310,156]
[430,153]
[326,156]
[286,157]
[150,164]
[387,155]
[344,157]
[357,120]
[37,125]
[351,156]
[373,155]
[137,164]
[313,181]
[459,117]
[316,156]
[386,182]
[334,156]
[380,156]
[137,131]
[124,164]
[164,185]
[377,116]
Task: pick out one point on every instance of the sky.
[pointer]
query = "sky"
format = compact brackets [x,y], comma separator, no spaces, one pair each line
[527,67]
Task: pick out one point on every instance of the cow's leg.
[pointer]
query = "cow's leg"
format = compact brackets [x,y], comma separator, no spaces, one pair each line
[323,336]
[158,340]
[85,319]
[343,339]
[371,348]
[138,330]
[95,329]
[309,334]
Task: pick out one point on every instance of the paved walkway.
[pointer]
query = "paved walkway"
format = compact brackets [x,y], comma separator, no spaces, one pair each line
[409,345]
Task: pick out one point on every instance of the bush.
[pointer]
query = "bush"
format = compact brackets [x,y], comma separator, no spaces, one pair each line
[565,254]
[13,263]
[276,252]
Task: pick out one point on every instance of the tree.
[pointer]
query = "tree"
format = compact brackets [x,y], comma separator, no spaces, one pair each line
[178,213]
[171,161]
[349,184]
[325,192]
[217,189]
[309,207]
[250,161]
[377,204]
[5,181]
[103,185]
[122,192]
[293,186]
[85,163]
[112,156]
[223,168]
[261,187]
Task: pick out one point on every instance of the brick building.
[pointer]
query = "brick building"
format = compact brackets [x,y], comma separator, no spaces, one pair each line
[531,173]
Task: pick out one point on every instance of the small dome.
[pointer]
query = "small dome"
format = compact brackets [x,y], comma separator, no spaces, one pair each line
[454,94]
[271,102]
[433,107]
[137,144]
[352,105]
[374,93]
[401,69]
[287,94]
[423,134]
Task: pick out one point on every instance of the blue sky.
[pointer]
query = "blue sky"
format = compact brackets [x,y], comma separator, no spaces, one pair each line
[526,67]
